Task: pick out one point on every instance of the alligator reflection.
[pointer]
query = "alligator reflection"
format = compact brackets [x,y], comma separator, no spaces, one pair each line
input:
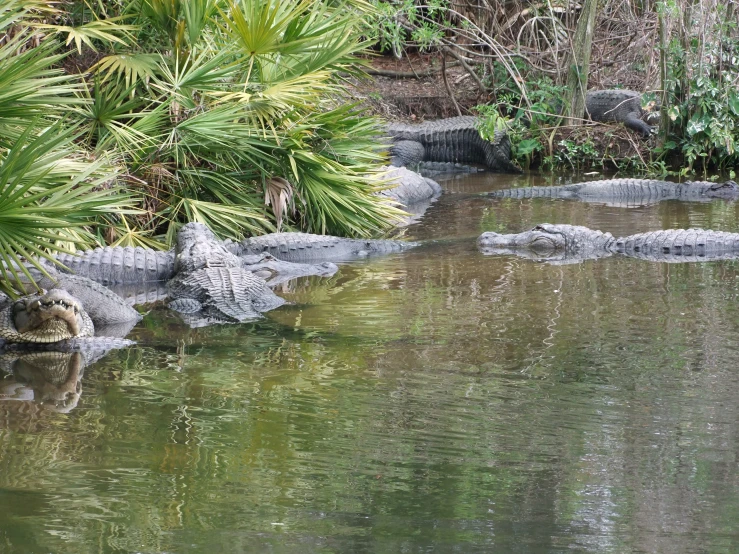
[51,380]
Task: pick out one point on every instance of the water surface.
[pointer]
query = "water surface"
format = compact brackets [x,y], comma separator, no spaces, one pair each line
[437,400]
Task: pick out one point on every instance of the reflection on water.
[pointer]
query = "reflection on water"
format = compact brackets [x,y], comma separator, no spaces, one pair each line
[438,400]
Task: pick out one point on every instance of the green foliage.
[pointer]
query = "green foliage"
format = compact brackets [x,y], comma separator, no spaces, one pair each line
[49,195]
[205,102]
[396,25]
[576,155]
[703,111]
[528,129]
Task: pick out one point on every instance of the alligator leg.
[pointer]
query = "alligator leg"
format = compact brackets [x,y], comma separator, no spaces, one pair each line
[634,122]
[406,152]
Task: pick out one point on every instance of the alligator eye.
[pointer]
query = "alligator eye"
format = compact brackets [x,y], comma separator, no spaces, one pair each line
[539,228]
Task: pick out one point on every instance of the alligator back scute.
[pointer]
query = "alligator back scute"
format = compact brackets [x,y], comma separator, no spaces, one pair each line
[679,242]
[230,292]
[120,265]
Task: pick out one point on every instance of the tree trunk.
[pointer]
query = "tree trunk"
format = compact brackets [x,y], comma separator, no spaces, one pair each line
[579,62]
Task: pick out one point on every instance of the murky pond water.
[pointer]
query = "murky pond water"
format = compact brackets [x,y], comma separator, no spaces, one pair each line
[434,401]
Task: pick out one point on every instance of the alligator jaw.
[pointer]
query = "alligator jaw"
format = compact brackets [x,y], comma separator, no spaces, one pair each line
[52,317]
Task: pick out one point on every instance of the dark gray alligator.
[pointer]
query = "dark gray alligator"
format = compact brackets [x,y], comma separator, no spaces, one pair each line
[306,247]
[628,192]
[452,140]
[562,244]
[620,106]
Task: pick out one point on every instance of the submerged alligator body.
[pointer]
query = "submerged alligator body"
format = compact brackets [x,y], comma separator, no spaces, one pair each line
[628,192]
[306,247]
[451,140]
[573,244]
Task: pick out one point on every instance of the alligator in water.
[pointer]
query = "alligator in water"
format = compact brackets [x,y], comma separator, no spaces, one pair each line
[309,254]
[306,247]
[410,188]
[628,192]
[562,244]
[451,140]
[53,321]
[208,279]
[620,106]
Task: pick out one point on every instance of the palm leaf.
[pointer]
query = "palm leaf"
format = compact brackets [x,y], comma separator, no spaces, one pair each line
[104,30]
[132,67]
[41,206]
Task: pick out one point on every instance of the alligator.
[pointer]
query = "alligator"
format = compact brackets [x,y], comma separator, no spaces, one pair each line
[562,244]
[620,106]
[120,265]
[411,188]
[105,308]
[628,192]
[454,140]
[204,277]
[52,322]
[51,317]
[113,266]
[306,247]
[210,281]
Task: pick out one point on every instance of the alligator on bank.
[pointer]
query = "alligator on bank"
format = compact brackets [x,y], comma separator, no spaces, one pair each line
[562,244]
[628,192]
[452,140]
[620,106]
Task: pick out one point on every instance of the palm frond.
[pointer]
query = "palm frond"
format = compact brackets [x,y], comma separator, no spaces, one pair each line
[109,31]
[42,207]
[133,67]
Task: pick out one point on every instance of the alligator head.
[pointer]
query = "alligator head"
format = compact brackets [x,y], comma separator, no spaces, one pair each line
[727,189]
[548,242]
[53,317]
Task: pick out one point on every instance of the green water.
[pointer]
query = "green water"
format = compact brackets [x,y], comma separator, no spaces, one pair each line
[434,401]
